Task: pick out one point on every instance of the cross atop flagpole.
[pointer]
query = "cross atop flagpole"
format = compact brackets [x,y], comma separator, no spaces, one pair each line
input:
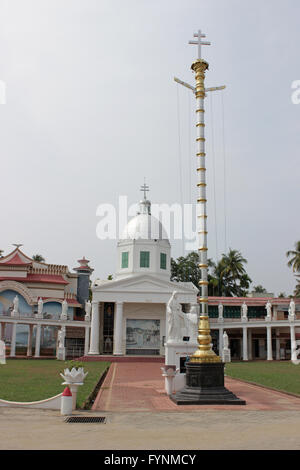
[199,42]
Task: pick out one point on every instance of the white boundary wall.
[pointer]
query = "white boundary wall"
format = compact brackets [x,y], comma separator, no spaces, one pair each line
[52,403]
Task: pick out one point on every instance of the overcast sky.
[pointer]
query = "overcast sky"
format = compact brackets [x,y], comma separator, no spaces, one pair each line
[92,109]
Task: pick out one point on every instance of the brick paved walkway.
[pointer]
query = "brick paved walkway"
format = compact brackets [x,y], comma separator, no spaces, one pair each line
[140,387]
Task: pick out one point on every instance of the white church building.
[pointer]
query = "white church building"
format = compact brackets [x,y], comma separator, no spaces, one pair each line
[129,312]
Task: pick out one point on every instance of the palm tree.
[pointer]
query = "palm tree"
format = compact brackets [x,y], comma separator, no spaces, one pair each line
[259,289]
[38,258]
[294,262]
[232,274]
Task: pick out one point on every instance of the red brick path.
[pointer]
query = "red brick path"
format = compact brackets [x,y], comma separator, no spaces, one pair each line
[140,387]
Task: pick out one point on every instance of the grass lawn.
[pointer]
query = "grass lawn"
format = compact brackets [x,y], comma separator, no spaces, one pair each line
[279,375]
[31,380]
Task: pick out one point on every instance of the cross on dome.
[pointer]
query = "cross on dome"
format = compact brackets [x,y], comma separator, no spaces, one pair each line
[145,188]
[199,42]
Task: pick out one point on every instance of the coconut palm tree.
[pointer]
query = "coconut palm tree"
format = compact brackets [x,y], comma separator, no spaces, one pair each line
[294,262]
[38,258]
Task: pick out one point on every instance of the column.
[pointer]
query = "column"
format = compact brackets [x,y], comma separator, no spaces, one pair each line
[29,343]
[245,346]
[86,340]
[2,337]
[250,344]
[94,344]
[13,340]
[277,344]
[37,341]
[118,328]
[269,344]
[293,340]
[221,331]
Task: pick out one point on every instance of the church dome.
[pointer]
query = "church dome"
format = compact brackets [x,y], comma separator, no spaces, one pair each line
[144,225]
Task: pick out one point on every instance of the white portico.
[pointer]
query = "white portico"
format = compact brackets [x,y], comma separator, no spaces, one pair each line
[129,312]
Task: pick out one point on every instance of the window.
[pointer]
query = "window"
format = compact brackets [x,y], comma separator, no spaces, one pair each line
[125,259]
[163,261]
[144,259]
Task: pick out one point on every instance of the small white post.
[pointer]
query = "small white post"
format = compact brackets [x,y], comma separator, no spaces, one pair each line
[66,402]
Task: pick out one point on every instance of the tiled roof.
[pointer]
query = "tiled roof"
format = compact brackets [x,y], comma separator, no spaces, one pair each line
[55,279]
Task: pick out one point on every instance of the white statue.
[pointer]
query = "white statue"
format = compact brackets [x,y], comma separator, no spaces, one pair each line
[61,338]
[220,310]
[88,307]
[2,352]
[61,350]
[292,309]
[192,324]
[225,340]
[244,311]
[226,353]
[40,307]
[269,310]
[64,310]
[295,351]
[176,319]
[16,306]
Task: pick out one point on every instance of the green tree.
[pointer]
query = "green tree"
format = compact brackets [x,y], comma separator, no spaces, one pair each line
[294,262]
[228,277]
[259,289]
[38,258]
[282,295]
[110,277]
[294,256]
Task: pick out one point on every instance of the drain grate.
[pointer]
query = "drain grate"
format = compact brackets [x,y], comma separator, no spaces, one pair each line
[85,419]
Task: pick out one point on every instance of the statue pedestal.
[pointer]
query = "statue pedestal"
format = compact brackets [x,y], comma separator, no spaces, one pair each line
[61,354]
[205,386]
[175,353]
[226,355]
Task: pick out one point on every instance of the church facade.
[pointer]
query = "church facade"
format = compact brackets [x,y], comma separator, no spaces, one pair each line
[129,312]
[29,283]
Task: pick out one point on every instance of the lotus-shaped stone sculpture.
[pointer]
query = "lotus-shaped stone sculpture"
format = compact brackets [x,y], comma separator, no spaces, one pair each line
[74,375]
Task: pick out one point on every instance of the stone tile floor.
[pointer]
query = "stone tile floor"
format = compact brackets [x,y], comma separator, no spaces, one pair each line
[140,387]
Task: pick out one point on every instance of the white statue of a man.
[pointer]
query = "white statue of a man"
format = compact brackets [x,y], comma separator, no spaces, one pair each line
[269,309]
[292,309]
[40,306]
[220,310]
[225,340]
[175,319]
[244,311]
[16,305]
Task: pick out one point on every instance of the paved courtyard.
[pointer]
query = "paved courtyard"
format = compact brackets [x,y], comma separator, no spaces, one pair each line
[140,416]
[140,387]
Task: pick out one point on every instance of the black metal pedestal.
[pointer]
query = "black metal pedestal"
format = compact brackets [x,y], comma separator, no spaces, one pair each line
[205,386]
